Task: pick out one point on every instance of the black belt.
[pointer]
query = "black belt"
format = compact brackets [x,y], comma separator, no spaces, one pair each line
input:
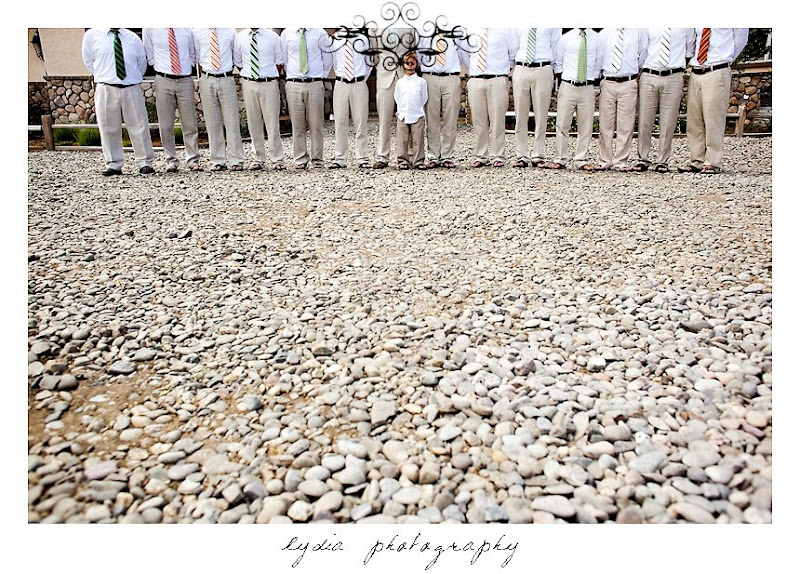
[662,72]
[574,83]
[118,85]
[490,76]
[702,71]
[440,74]
[620,78]
[171,76]
[258,79]
[223,75]
[353,81]
[304,80]
[533,64]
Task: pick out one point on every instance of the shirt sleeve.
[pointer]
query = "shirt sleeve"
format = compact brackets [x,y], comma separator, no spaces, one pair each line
[512,38]
[424,95]
[277,52]
[558,62]
[642,47]
[327,56]
[141,58]
[598,58]
[740,36]
[237,52]
[147,38]
[691,38]
[87,51]
[192,50]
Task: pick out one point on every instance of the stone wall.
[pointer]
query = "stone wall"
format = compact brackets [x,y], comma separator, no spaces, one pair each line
[38,102]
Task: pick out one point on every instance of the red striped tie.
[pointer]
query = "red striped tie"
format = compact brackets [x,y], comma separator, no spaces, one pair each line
[705,39]
[173,52]
[214,49]
[483,49]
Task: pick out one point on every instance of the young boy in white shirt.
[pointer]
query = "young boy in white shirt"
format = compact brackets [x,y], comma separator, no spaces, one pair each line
[410,95]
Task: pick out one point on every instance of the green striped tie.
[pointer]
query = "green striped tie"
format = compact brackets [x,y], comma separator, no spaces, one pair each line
[531,51]
[582,58]
[119,57]
[254,71]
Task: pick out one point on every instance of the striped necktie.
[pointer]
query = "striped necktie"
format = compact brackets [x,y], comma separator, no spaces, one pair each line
[303,52]
[616,53]
[254,69]
[664,47]
[705,40]
[119,56]
[174,58]
[348,59]
[441,48]
[582,57]
[214,49]
[531,51]
[483,49]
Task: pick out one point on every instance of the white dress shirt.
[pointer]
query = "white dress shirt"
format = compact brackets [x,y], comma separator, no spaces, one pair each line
[725,45]
[410,95]
[634,51]
[545,47]
[98,56]
[681,46]
[501,50]
[566,62]
[202,46]
[318,44]
[361,65]
[270,53]
[156,46]
[454,56]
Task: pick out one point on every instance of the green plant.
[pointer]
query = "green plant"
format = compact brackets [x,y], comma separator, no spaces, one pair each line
[152,115]
[178,136]
[64,136]
[88,137]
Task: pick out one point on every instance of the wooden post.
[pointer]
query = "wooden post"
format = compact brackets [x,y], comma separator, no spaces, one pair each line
[47,130]
[742,117]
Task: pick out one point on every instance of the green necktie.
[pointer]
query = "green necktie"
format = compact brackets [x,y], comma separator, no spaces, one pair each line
[119,57]
[303,52]
[531,51]
[582,58]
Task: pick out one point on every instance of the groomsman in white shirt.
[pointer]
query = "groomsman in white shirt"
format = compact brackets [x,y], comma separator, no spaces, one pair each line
[661,92]
[258,55]
[214,47]
[492,52]
[307,53]
[395,43]
[578,60]
[440,62]
[532,82]
[351,97]
[624,51]
[171,53]
[116,59]
[709,94]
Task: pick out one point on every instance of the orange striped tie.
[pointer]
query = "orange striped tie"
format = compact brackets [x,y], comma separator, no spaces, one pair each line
[173,52]
[705,40]
[483,49]
[441,48]
[214,50]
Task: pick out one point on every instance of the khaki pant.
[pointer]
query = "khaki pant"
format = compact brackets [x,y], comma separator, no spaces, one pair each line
[262,101]
[572,99]
[410,142]
[706,108]
[221,110]
[531,85]
[441,115]
[171,95]
[306,103]
[384,102]
[662,95]
[488,104]
[351,100]
[617,113]
[113,105]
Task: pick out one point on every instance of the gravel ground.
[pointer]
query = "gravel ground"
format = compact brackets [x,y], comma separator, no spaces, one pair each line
[449,346]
